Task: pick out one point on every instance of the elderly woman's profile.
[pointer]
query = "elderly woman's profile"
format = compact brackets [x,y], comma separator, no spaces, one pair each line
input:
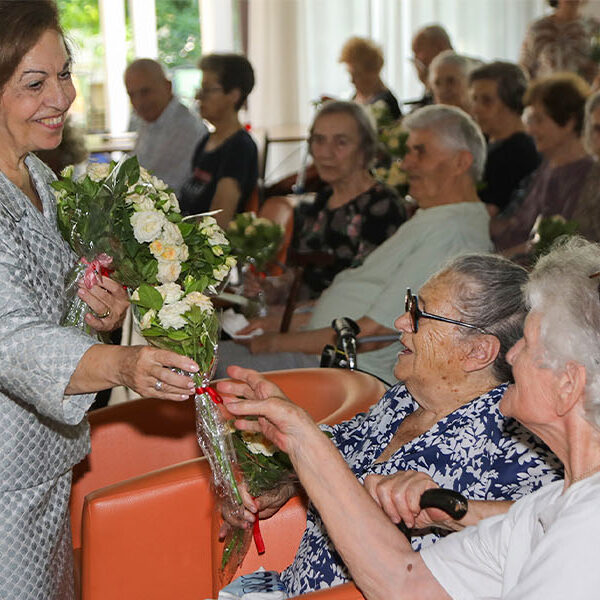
[442,420]
[543,546]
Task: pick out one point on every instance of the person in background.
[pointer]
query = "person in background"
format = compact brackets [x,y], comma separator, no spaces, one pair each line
[544,546]
[592,125]
[561,42]
[445,157]
[449,79]
[354,214]
[497,91]
[225,162]
[427,43]
[567,176]
[168,131]
[49,373]
[364,61]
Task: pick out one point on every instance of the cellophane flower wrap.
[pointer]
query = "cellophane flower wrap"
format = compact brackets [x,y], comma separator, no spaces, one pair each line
[264,467]
[254,239]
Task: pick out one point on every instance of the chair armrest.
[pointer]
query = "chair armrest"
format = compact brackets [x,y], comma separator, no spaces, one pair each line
[154,537]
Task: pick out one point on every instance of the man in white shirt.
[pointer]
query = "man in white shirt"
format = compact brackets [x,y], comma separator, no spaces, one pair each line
[168,131]
[445,158]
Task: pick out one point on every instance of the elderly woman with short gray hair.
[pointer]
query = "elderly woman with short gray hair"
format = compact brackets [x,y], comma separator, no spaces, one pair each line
[442,419]
[354,214]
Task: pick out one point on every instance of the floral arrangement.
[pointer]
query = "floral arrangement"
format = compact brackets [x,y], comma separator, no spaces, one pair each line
[121,218]
[254,239]
[264,467]
[546,230]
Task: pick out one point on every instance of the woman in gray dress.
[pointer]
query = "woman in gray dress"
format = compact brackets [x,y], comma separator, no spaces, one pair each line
[49,373]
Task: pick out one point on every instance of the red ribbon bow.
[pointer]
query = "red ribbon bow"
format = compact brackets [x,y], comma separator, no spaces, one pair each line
[213,394]
[99,266]
[258,538]
[255,271]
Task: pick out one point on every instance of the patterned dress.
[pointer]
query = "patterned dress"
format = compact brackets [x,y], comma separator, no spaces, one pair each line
[351,231]
[475,450]
[44,432]
[550,47]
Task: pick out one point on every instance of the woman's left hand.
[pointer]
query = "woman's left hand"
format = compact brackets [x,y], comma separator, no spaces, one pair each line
[287,425]
[109,303]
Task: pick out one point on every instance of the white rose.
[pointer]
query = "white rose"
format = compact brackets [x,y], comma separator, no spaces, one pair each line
[171,292]
[136,294]
[199,299]
[220,273]
[208,222]
[250,230]
[217,238]
[145,204]
[217,250]
[158,184]
[230,262]
[147,225]
[183,252]
[145,323]
[232,227]
[171,315]
[171,234]
[67,172]
[145,176]
[263,221]
[168,271]
[257,443]
[98,171]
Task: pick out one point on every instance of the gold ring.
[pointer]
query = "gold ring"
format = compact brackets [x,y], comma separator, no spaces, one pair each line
[103,315]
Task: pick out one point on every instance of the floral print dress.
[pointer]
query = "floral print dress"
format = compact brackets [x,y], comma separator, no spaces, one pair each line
[475,451]
[351,231]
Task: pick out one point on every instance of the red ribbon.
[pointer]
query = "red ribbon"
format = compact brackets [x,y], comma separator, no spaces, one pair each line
[99,266]
[213,394]
[257,535]
[255,271]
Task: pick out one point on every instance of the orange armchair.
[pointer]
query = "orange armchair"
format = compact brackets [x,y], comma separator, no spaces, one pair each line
[134,522]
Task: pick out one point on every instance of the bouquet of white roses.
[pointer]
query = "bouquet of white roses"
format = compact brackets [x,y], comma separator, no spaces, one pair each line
[120,218]
[254,239]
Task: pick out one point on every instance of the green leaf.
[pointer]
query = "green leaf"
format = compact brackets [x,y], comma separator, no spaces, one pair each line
[150,297]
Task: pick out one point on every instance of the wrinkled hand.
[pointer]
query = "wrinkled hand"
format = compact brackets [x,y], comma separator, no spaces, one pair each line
[261,344]
[284,423]
[142,366]
[399,496]
[269,324]
[107,295]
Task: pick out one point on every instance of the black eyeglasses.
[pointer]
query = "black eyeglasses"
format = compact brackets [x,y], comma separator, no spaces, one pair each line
[411,306]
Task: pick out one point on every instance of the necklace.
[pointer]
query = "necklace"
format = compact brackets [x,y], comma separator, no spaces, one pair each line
[585,474]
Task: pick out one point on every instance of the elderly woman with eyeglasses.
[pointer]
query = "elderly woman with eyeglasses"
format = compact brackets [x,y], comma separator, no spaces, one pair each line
[443,419]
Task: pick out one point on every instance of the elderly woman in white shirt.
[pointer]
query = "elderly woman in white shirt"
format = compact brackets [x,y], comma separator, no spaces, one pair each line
[544,546]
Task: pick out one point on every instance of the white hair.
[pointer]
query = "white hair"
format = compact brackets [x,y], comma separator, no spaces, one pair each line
[455,129]
[561,291]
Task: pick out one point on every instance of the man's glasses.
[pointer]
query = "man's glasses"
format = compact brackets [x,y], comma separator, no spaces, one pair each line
[411,306]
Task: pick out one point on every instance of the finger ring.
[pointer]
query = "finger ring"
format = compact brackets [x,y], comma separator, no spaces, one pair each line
[104,314]
[158,385]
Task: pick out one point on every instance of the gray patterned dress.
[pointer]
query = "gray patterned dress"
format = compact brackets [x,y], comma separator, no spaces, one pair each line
[44,432]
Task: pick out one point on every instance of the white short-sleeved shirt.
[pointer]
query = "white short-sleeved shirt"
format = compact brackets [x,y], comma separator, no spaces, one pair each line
[546,546]
[418,249]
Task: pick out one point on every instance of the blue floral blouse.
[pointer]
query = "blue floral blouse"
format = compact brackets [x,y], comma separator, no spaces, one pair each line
[475,450]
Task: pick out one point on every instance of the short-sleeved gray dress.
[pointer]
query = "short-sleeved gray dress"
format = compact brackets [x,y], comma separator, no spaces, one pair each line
[44,432]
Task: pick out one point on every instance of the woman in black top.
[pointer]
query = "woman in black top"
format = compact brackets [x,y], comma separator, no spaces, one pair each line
[225,163]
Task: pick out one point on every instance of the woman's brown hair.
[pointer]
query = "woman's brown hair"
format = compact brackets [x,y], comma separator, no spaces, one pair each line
[22,23]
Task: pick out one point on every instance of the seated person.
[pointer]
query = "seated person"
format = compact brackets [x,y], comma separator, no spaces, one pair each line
[168,131]
[554,117]
[427,43]
[444,419]
[544,546]
[354,214]
[449,79]
[225,162]
[364,61]
[497,91]
[445,157]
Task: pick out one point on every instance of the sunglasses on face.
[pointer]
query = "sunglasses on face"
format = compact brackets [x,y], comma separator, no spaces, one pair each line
[411,306]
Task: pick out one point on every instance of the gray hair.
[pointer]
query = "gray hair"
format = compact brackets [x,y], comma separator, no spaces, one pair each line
[591,104]
[488,294]
[466,64]
[455,129]
[561,292]
[367,134]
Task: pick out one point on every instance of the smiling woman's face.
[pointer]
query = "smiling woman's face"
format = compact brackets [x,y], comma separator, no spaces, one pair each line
[432,359]
[35,101]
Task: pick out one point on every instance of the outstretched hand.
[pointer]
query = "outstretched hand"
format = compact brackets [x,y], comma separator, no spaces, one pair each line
[279,419]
